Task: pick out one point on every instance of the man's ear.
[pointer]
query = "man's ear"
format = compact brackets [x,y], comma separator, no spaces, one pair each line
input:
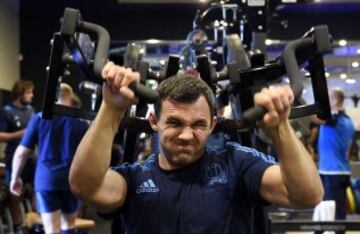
[213,123]
[153,121]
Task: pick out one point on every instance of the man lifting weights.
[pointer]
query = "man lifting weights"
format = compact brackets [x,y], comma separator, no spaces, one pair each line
[190,187]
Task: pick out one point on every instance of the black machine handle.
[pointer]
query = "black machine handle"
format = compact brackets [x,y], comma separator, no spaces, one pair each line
[314,43]
[102,50]
[72,23]
[320,43]
[253,114]
[149,95]
[291,66]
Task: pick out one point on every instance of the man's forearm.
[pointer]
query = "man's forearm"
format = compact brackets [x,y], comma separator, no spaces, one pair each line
[19,160]
[8,136]
[298,170]
[92,158]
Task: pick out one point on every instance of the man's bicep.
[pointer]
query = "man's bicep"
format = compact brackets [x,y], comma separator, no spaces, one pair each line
[112,193]
[272,187]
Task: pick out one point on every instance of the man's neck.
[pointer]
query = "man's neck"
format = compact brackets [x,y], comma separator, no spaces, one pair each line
[166,164]
[339,108]
[17,102]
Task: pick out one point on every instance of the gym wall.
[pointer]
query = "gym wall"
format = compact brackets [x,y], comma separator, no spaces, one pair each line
[9,44]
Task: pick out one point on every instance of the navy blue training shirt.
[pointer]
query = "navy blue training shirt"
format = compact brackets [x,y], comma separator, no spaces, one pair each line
[213,195]
[14,118]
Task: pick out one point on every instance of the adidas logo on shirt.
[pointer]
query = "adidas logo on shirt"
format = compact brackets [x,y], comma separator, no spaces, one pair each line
[147,187]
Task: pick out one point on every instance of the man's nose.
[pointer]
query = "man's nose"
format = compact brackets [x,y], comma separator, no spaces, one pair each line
[186,134]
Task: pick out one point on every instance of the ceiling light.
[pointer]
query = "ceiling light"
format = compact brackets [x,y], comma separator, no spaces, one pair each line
[342,42]
[350,81]
[343,76]
[202,0]
[355,64]
[327,74]
[268,42]
[153,41]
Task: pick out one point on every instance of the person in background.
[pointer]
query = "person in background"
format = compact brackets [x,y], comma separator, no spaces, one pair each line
[334,140]
[57,140]
[14,118]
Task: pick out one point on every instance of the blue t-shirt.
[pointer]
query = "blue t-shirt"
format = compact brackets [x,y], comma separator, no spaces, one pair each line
[213,195]
[14,118]
[57,141]
[333,144]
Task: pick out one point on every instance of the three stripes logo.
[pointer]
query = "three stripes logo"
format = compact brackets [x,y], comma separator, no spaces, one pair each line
[147,187]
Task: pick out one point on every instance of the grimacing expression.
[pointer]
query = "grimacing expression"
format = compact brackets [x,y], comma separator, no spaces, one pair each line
[27,96]
[184,129]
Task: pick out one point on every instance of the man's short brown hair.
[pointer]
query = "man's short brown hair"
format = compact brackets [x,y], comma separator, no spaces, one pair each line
[184,89]
[20,87]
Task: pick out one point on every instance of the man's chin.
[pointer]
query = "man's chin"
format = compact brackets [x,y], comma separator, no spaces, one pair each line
[184,158]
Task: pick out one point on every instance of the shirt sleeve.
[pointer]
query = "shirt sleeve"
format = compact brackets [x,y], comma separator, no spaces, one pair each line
[30,137]
[124,170]
[250,166]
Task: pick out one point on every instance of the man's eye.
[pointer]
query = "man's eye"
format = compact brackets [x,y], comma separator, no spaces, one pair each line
[173,124]
[200,125]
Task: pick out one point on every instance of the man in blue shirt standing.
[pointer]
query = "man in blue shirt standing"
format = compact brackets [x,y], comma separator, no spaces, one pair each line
[57,140]
[335,137]
[189,187]
[14,118]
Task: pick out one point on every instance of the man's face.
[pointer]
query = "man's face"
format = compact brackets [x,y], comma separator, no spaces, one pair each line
[27,97]
[197,38]
[333,100]
[183,129]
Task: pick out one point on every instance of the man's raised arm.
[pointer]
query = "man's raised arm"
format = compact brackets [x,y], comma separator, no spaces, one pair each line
[295,182]
[90,177]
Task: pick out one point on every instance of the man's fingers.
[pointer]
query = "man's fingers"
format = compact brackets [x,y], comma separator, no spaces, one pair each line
[130,77]
[116,89]
[125,91]
[263,98]
[119,76]
[106,69]
[16,190]
[282,97]
[290,95]
[277,100]
[270,118]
